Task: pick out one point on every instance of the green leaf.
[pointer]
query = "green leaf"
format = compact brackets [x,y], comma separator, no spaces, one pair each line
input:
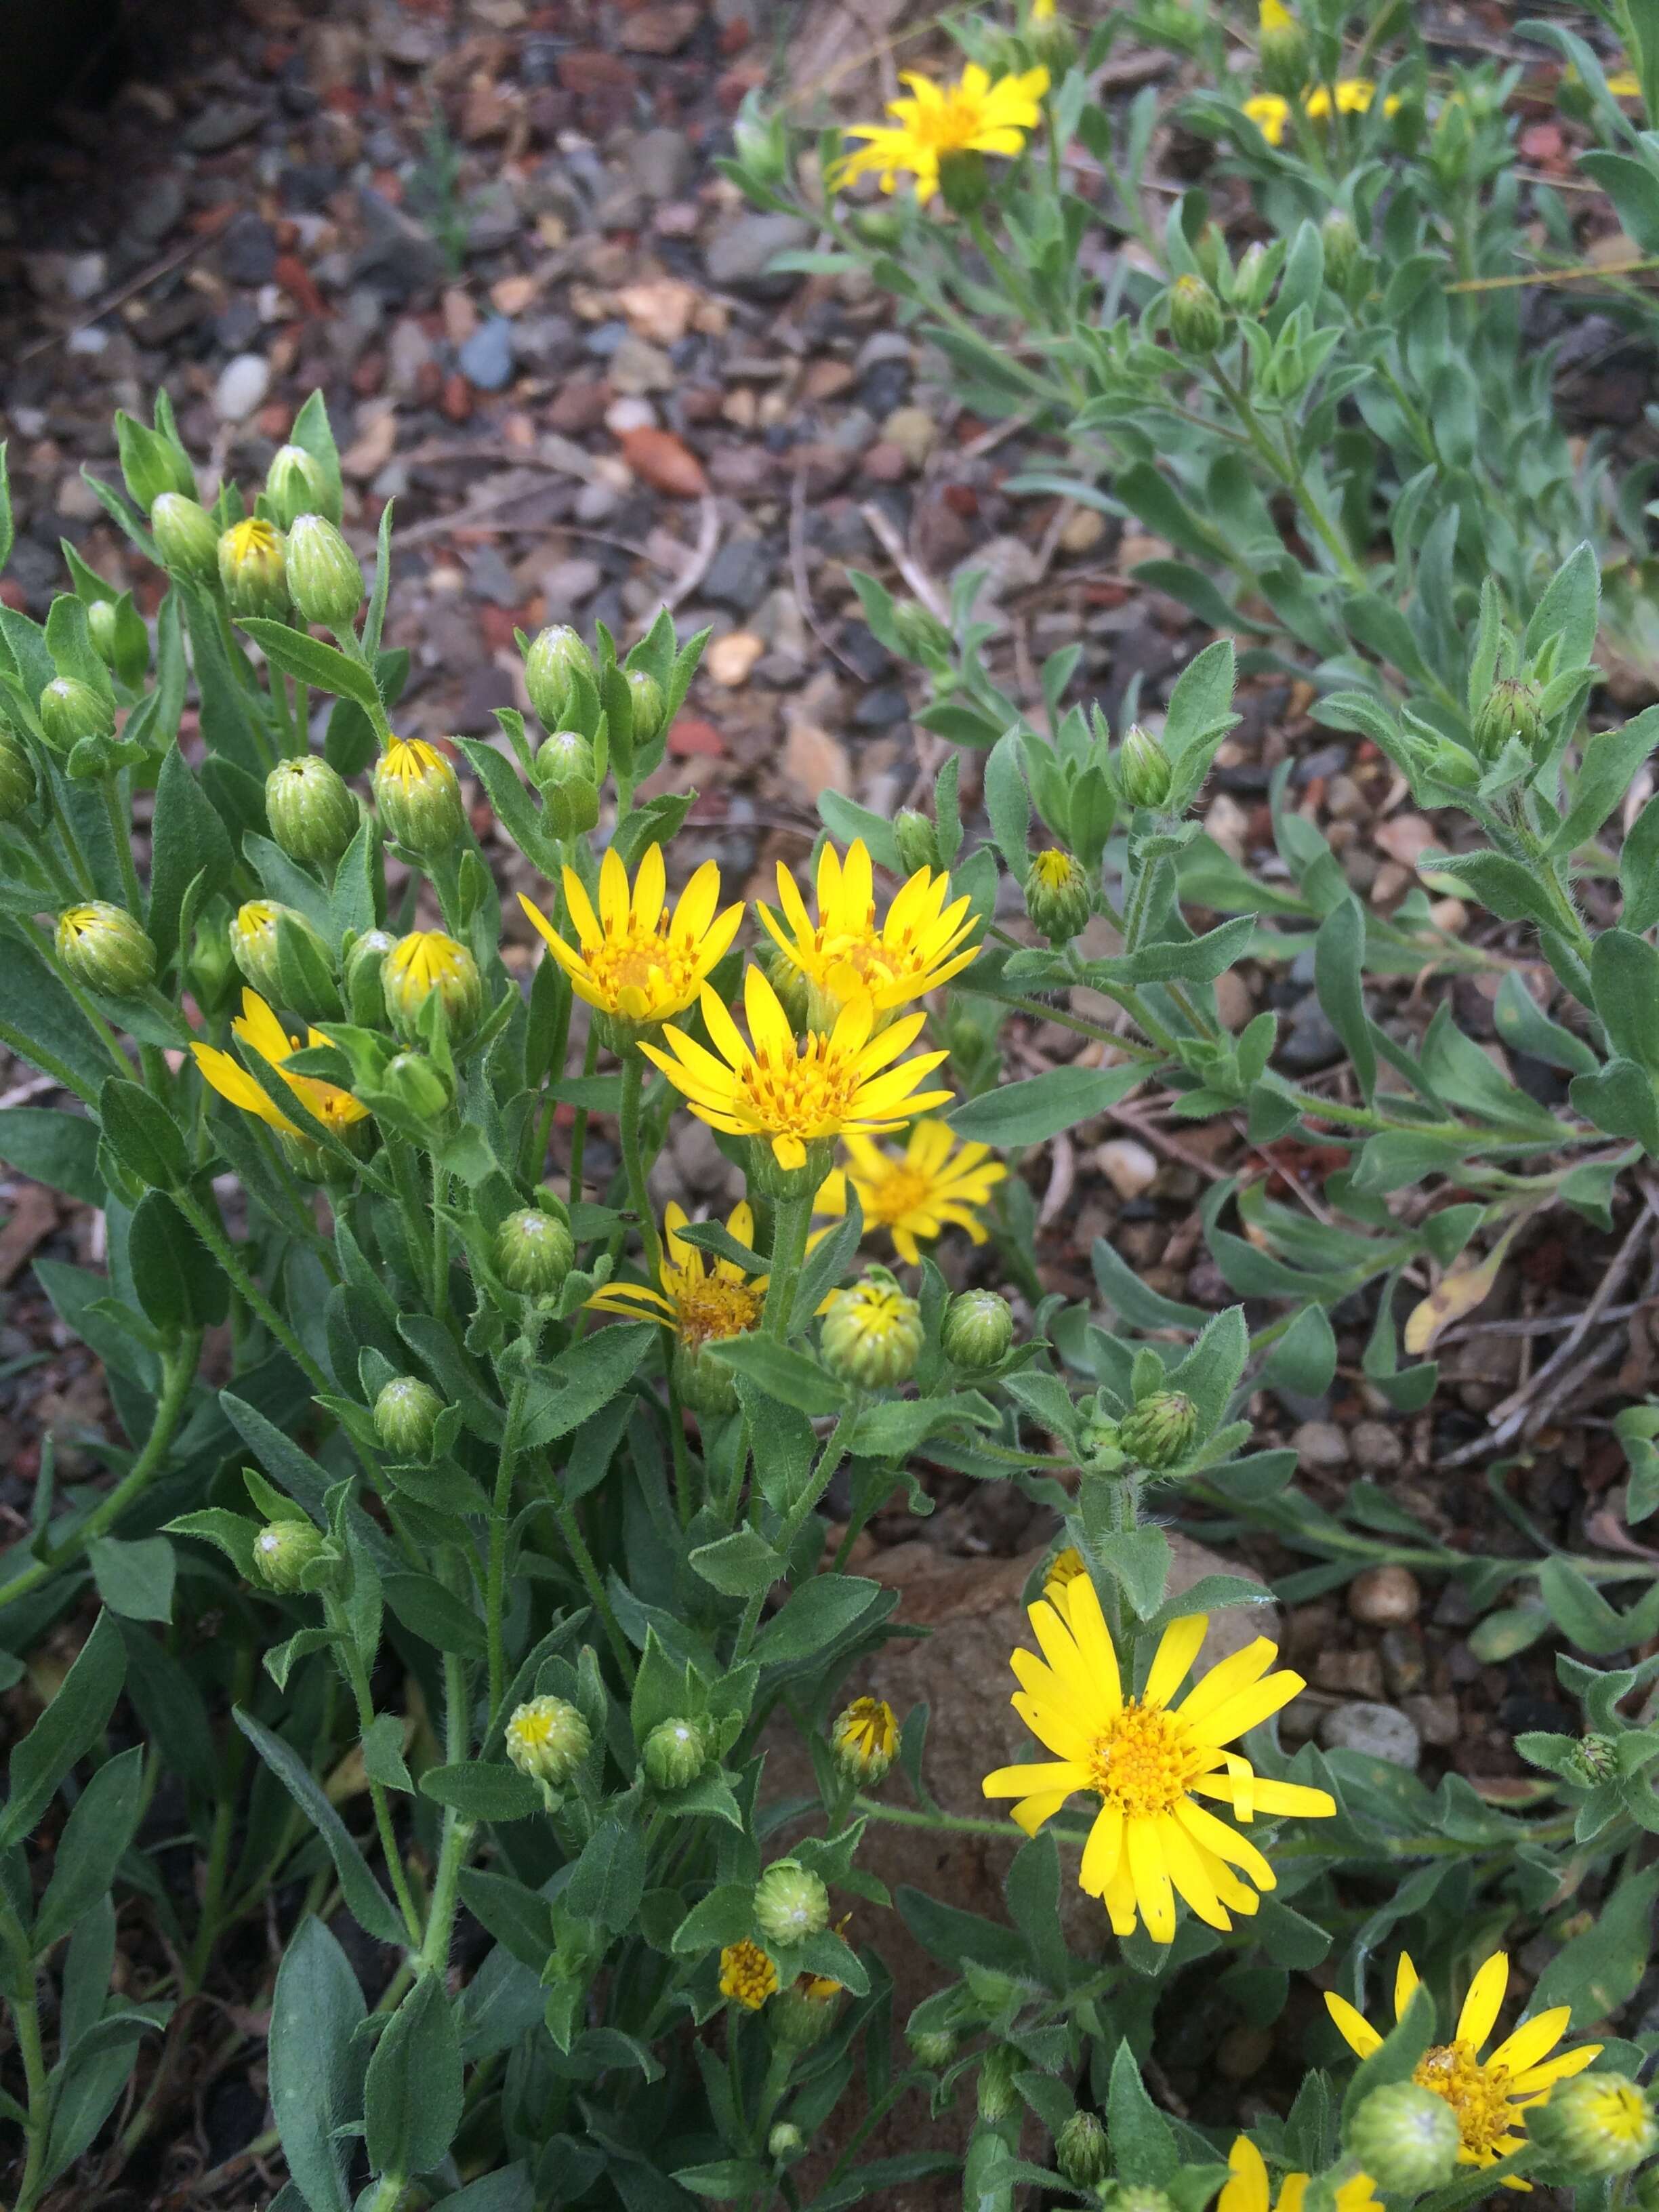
[1524,1027]
[1398,2055]
[179,1283]
[1633,188]
[96,1834]
[1619,1098]
[142,1134]
[1338,960]
[1504,886]
[1008,807]
[231,1532]
[66,1731]
[815,1616]
[188,841]
[608,1880]
[1598,1971]
[724,1917]
[1144,2153]
[432,1611]
[134,1579]
[1606,772]
[1625,976]
[480,1789]
[51,1146]
[296,653]
[846,820]
[1031,1111]
[741,1564]
[412,2092]
[366,1901]
[316,2064]
[782,1373]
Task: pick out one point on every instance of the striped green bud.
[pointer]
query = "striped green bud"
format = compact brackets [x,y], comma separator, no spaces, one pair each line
[312,813]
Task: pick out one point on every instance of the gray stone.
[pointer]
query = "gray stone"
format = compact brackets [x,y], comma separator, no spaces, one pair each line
[85,276]
[243,383]
[1374,1731]
[493,219]
[220,124]
[567,583]
[408,350]
[486,359]
[546,343]
[740,254]
[491,578]
[1378,1446]
[158,205]
[1312,1042]
[659,163]
[1318,1445]
[398,257]
[637,366]
[741,574]
[248,253]
[237,328]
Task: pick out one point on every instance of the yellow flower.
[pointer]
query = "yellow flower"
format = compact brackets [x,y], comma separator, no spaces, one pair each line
[1355,96]
[259,1030]
[973,116]
[1270,116]
[747,1974]
[1149,1761]
[634,964]
[1274,15]
[793,1094]
[1487,2094]
[1062,1571]
[845,954]
[864,1739]
[1043,11]
[1625,84]
[1247,2189]
[699,1300]
[921,1196]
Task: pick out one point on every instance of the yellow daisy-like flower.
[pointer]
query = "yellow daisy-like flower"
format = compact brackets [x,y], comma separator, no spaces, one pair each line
[846,954]
[1043,11]
[973,116]
[1487,2094]
[1149,1761]
[1625,84]
[747,1975]
[634,964]
[699,1299]
[1062,1571]
[1270,116]
[864,1738]
[260,1031]
[936,1185]
[1355,96]
[1248,2191]
[794,1094]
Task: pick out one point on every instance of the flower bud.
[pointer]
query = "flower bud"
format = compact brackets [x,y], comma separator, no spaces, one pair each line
[706,1386]
[71,710]
[1135,2196]
[791,1904]
[1057,895]
[799,2018]
[920,632]
[548,1740]
[748,1977]
[102,948]
[995,2094]
[556,657]
[1282,45]
[419,1088]
[564,769]
[1253,279]
[254,944]
[210,970]
[932,2046]
[1510,710]
[864,1740]
[917,840]
[879,227]
[1143,766]
[534,1253]
[101,629]
[184,536]
[16,775]
[1595,2125]
[365,1000]
[1080,2151]
[1404,2137]
[649,705]
[406,1415]
[1062,1571]
[1159,1431]
[1595,1759]
[419,796]
[675,1754]
[1053,41]
[323,572]
[1345,256]
[785,2142]
[424,963]
[253,569]
[313,815]
[872,1335]
[296,484]
[979,1327]
[283,1550]
[1196,322]
[760,140]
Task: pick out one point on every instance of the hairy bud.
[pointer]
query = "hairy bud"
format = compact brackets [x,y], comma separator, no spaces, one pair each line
[428,964]
[872,1333]
[253,570]
[102,948]
[406,1416]
[556,657]
[791,1904]
[548,1740]
[283,1550]
[17,783]
[323,572]
[419,796]
[184,536]
[296,484]
[312,813]
[1196,322]
[1159,1431]
[534,1253]
[1057,895]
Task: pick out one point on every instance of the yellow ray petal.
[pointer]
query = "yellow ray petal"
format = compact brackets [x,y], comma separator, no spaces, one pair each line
[1478,2016]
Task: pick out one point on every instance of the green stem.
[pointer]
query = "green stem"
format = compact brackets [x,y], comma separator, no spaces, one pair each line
[795,1520]
[496,1585]
[632,1082]
[789,1234]
[351,1660]
[457,1834]
[26,2016]
[576,1543]
[121,837]
[1286,467]
[211,1232]
[579,1126]
[178,1373]
[224,1823]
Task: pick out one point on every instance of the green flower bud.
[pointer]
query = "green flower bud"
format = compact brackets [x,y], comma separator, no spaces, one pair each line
[794,993]
[313,815]
[879,227]
[283,1550]
[1080,2151]
[556,657]
[1510,710]
[365,1000]
[71,710]
[863,1741]
[918,841]
[564,769]
[963,181]
[1450,764]
[1196,322]
[932,2046]
[979,1327]
[424,964]
[405,1416]
[1053,41]
[534,1253]
[1135,2196]
[1345,256]
[785,2142]
[101,629]
[995,2094]
[798,2019]
[1404,2137]
[184,536]
[323,572]
[1253,279]
[1595,1758]
[1144,767]
[760,140]
[418,1086]
[102,948]
[253,570]
[210,969]
[791,1904]
[1595,2125]
[548,1740]
[419,797]
[1283,46]
[1159,1431]
[296,483]
[16,775]
[1057,895]
[872,1335]
[254,942]
[649,705]
[920,632]
[708,1387]
[675,1754]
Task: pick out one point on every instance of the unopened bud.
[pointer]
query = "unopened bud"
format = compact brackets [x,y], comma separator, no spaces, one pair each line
[872,1334]
[791,1904]
[760,141]
[406,1415]
[556,658]
[918,841]
[649,705]
[426,964]
[1159,1431]
[565,770]
[1143,766]
[534,1253]
[1080,2150]
[548,1740]
[1344,254]
[255,943]
[785,2142]
[1404,2137]
[1057,895]
[283,1550]
[1596,2125]
[675,1754]
[995,2094]
[365,1000]
[1283,46]
[296,484]
[1253,279]
[71,710]
[1135,2196]
[184,536]
[706,1386]
[963,181]
[418,1086]
[799,2018]
[101,629]
[864,1740]
[419,797]
[1196,322]
[102,948]
[932,2046]
[253,570]
[920,632]
[1511,710]
[323,572]
[312,813]
[17,783]
[1595,1758]
[979,1327]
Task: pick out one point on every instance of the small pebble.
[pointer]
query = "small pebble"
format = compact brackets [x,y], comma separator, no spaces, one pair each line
[1384,1596]
[730,659]
[1377,1446]
[1244,2051]
[243,383]
[1377,1731]
[1318,1444]
[1436,1718]
[486,359]
[1129,1167]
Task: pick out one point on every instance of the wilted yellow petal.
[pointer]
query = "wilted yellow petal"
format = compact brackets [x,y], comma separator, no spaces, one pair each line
[1454,1296]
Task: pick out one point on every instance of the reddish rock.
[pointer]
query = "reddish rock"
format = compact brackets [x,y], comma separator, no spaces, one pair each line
[736,35]
[579,405]
[274,420]
[692,739]
[369,373]
[885,463]
[665,463]
[587,70]
[497,624]
[733,86]
[296,279]
[663,29]
[457,399]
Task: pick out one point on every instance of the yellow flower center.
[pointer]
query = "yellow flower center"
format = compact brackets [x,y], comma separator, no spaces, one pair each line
[643,970]
[252,539]
[1144,1759]
[747,1974]
[904,1191]
[878,1314]
[954,125]
[798,1087]
[712,1309]
[1055,869]
[1478,2094]
[530,1728]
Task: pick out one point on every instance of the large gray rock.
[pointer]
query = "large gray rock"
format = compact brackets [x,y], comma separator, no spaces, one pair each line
[740,252]
[397,256]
